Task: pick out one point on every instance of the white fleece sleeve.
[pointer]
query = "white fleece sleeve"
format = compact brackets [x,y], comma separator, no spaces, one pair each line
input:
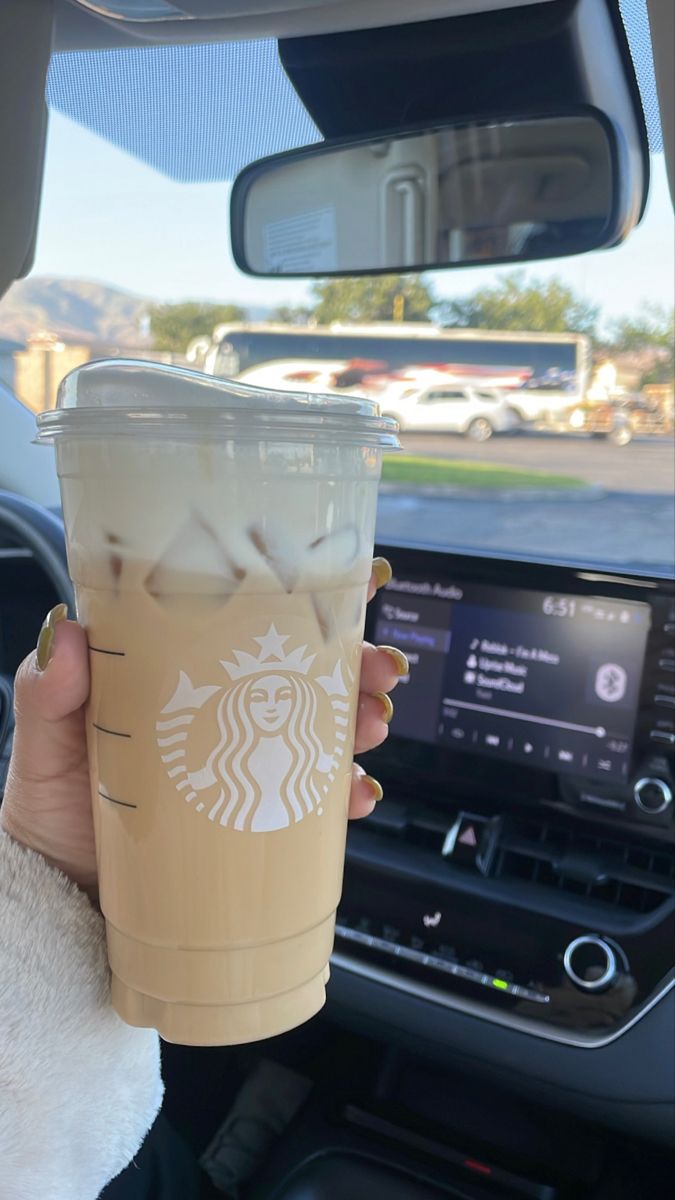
[79,1089]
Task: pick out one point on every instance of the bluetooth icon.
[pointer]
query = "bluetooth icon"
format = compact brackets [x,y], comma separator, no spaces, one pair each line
[610,683]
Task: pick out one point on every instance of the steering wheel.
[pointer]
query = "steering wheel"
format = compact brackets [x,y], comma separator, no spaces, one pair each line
[41,531]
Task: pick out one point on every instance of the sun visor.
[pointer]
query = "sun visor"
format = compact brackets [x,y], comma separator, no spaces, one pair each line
[25,45]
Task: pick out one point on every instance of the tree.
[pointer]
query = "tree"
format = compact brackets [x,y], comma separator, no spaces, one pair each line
[653,330]
[291,314]
[655,326]
[372,298]
[173,326]
[516,302]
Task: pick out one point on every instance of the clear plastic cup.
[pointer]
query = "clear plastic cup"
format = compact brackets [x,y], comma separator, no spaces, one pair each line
[220,541]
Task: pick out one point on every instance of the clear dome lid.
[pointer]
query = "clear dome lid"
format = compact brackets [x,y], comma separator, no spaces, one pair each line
[123,397]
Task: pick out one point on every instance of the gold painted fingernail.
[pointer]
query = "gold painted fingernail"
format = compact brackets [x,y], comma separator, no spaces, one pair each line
[375,787]
[45,644]
[400,661]
[387,706]
[382,571]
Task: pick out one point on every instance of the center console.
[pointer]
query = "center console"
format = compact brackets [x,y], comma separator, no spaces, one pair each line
[521,867]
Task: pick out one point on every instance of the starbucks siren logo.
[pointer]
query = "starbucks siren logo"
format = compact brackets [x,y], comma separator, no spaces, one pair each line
[269,768]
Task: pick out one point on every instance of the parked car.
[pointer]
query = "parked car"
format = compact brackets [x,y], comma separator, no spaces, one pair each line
[475,412]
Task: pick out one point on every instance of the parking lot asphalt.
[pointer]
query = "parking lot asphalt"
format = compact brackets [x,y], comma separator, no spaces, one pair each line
[646,465]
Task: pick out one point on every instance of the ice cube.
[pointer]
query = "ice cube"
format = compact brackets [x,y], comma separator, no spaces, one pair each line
[337,550]
[198,605]
[116,563]
[278,552]
[325,619]
[115,560]
[338,613]
[194,562]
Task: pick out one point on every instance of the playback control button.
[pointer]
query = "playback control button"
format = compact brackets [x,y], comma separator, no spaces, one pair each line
[444,965]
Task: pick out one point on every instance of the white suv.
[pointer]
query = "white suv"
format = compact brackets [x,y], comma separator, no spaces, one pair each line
[475,412]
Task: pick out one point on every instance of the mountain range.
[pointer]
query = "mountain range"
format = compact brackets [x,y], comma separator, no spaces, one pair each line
[79,310]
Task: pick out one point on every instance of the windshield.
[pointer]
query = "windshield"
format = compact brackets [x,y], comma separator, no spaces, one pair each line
[566,454]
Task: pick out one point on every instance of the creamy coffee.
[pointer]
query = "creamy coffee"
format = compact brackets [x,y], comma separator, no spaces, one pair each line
[222,582]
[222,731]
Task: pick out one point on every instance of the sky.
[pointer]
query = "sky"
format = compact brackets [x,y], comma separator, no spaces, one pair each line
[108,217]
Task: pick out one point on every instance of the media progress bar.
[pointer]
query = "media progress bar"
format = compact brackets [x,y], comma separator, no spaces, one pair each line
[596,730]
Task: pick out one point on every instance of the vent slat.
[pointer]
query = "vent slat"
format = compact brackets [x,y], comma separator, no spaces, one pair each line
[635,879]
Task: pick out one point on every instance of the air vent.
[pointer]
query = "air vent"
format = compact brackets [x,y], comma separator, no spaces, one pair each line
[637,879]
[598,867]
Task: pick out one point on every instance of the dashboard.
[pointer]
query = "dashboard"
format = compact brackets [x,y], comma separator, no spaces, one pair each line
[509,907]
[518,879]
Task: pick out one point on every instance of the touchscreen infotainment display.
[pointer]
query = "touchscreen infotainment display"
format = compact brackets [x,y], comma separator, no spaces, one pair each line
[548,680]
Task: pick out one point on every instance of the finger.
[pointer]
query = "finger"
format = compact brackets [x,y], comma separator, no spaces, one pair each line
[49,736]
[381,575]
[364,795]
[372,721]
[54,680]
[381,668]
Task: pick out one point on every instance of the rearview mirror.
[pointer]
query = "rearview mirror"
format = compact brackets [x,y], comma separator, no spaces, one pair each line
[486,192]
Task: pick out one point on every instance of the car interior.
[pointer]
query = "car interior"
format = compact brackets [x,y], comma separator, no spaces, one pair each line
[500,1018]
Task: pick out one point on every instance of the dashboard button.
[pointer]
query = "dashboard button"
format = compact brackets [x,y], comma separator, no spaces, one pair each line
[446,952]
[566,756]
[663,736]
[604,764]
[534,997]
[652,795]
[664,701]
[590,963]
[474,964]
[463,839]
[471,975]
[667,664]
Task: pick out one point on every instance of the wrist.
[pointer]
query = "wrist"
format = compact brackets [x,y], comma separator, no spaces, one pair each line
[20,831]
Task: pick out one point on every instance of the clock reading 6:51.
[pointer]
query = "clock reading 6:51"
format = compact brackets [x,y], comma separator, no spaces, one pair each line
[559,606]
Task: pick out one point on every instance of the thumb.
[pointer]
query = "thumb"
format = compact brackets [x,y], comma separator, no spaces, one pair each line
[50,688]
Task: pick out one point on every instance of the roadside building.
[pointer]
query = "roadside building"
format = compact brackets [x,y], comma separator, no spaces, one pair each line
[40,365]
[8,351]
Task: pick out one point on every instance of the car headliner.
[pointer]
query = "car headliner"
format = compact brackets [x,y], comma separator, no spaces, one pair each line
[77,28]
[201,112]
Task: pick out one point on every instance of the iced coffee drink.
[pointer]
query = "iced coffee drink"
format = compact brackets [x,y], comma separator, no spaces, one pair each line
[220,541]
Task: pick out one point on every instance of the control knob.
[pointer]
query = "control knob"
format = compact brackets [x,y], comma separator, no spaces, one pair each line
[652,795]
[591,963]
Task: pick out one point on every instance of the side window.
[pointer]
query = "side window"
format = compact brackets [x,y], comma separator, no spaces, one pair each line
[439,396]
